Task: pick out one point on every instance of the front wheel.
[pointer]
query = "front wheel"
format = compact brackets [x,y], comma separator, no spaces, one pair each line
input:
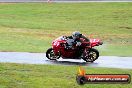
[91,55]
[50,54]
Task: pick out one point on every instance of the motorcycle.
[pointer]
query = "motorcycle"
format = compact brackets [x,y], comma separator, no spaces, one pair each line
[85,51]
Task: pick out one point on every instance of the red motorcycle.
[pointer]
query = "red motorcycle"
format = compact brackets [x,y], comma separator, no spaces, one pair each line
[85,51]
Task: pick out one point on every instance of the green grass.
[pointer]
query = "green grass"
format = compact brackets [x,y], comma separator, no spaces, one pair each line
[115,50]
[52,76]
[31,27]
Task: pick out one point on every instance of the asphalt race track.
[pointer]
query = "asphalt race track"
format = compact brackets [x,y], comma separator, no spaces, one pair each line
[39,58]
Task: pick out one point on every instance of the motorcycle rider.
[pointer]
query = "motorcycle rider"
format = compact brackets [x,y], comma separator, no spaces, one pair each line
[75,40]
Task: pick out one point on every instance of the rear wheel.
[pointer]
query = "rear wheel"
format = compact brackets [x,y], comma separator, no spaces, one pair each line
[92,55]
[50,54]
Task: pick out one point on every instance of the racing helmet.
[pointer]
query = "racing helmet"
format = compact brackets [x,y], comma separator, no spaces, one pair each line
[76,35]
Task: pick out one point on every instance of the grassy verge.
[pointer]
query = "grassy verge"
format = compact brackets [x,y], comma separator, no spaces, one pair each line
[32,26]
[51,76]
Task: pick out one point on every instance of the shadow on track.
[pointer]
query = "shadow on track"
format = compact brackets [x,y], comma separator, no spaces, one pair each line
[70,63]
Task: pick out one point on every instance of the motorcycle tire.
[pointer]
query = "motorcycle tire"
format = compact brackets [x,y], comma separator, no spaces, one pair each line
[52,56]
[90,57]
